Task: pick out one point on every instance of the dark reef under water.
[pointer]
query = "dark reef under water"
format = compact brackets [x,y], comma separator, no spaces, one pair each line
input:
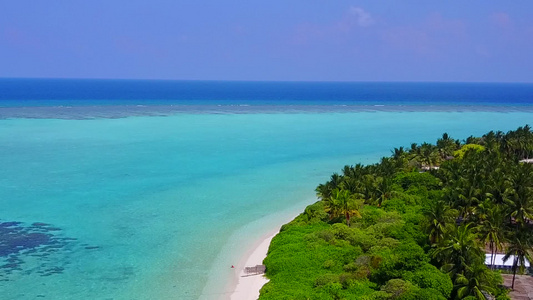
[42,243]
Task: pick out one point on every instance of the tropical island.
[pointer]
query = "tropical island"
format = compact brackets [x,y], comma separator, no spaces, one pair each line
[417,225]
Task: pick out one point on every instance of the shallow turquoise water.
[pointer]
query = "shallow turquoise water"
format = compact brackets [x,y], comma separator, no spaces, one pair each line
[149,202]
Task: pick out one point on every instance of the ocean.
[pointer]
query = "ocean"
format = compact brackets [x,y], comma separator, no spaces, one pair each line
[117,189]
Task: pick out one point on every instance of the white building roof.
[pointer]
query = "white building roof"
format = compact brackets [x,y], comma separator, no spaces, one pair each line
[529,161]
[498,260]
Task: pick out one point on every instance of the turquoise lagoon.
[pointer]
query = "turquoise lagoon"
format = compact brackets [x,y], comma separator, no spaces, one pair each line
[160,207]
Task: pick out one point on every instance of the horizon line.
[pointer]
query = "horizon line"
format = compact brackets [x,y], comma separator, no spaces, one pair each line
[260,81]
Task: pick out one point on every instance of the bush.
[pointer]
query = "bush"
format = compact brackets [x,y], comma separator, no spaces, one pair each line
[342,231]
[360,287]
[385,225]
[422,294]
[397,287]
[429,277]
[328,264]
[370,216]
[395,204]
[315,213]
[379,295]
[325,279]
[333,289]
[363,239]
[406,257]
[467,148]
[418,180]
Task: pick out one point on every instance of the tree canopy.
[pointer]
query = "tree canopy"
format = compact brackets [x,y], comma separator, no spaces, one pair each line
[413,226]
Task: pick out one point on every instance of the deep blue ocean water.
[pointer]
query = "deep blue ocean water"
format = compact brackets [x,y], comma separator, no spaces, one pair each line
[152,189]
[62,92]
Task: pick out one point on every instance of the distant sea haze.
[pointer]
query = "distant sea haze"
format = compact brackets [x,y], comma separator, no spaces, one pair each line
[153,189]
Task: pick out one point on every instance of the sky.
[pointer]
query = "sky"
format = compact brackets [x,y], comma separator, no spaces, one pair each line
[295,40]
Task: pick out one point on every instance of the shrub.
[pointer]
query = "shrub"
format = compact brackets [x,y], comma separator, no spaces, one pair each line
[397,287]
[395,204]
[328,264]
[363,239]
[315,213]
[467,148]
[333,289]
[322,280]
[370,215]
[422,294]
[416,179]
[406,257]
[429,277]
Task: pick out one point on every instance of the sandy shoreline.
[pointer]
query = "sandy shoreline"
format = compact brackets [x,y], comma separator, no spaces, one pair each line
[247,247]
[248,286]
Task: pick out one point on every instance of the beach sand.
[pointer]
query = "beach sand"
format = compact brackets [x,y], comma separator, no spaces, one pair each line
[247,247]
[248,286]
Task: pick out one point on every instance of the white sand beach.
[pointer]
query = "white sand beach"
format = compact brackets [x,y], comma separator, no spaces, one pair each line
[248,286]
[246,247]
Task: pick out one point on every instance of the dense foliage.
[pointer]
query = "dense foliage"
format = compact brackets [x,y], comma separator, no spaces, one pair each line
[414,226]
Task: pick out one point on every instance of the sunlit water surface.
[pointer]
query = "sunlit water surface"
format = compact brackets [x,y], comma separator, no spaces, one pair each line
[105,203]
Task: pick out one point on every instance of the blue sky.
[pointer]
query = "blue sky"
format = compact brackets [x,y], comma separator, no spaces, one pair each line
[272,40]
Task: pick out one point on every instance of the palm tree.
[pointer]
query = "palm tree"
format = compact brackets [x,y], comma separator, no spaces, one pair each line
[492,141]
[343,203]
[439,216]
[369,188]
[520,248]
[472,140]
[519,142]
[323,191]
[498,186]
[400,159]
[388,166]
[428,155]
[474,282]
[492,230]
[520,200]
[355,171]
[385,189]
[459,250]
[398,153]
[352,185]
[446,146]
[464,193]
[523,138]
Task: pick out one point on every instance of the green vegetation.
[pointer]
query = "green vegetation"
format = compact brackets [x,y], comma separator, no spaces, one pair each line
[414,226]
